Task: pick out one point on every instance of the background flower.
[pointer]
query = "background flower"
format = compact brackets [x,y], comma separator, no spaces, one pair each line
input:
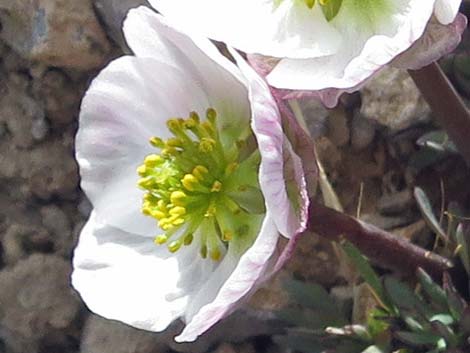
[313,50]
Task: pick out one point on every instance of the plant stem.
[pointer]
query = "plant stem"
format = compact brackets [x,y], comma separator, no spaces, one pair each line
[383,248]
[448,107]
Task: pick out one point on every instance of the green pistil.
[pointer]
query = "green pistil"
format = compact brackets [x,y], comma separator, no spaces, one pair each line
[330,8]
[197,188]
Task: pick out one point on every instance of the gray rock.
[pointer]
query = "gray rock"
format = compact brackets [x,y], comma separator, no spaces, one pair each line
[107,336]
[20,112]
[61,98]
[112,13]
[315,115]
[20,239]
[55,32]
[392,99]
[362,131]
[49,169]
[387,222]
[35,301]
[390,204]
[58,224]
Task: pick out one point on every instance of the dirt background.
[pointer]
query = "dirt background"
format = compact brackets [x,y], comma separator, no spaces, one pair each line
[49,52]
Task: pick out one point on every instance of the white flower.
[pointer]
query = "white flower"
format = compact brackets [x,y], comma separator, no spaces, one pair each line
[210,191]
[324,44]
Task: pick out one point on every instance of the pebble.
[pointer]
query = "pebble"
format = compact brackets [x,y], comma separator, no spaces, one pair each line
[391,99]
[58,33]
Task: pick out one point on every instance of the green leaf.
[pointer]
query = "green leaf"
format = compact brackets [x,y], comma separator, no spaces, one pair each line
[353,331]
[316,298]
[404,298]
[367,273]
[425,207]
[464,323]
[438,141]
[445,319]
[445,332]
[462,235]
[300,343]
[373,349]
[435,293]
[302,317]
[454,301]
[417,338]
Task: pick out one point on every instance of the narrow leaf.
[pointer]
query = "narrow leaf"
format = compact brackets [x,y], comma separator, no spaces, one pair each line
[367,273]
[425,207]
[417,339]
[435,293]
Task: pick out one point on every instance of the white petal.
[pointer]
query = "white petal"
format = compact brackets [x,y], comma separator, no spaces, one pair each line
[266,125]
[150,35]
[446,10]
[231,288]
[257,26]
[366,48]
[127,277]
[437,41]
[128,103]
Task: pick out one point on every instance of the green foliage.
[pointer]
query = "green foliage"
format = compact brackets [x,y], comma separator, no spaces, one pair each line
[427,318]
[435,319]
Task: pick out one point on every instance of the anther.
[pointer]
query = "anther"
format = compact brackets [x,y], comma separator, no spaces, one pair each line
[217,186]
[231,168]
[145,182]
[174,246]
[194,116]
[206,145]
[152,160]
[200,172]
[178,198]
[142,170]
[177,211]
[227,235]
[161,239]
[174,142]
[211,115]
[216,254]
[188,239]
[174,125]
[157,142]
[190,182]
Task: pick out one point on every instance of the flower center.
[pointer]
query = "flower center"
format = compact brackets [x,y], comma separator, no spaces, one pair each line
[330,8]
[199,189]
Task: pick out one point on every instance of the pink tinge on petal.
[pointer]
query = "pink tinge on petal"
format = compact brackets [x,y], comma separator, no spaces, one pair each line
[301,145]
[329,96]
[248,274]
[267,127]
[437,41]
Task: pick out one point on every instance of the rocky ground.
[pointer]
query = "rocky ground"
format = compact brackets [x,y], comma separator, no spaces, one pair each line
[49,52]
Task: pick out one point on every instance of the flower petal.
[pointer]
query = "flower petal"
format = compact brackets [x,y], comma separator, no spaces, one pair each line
[446,10]
[128,103]
[247,274]
[267,127]
[126,277]
[366,48]
[150,35]
[437,41]
[289,27]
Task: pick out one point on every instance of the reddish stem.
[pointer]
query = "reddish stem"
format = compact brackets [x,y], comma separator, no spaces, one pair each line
[449,109]
[383,248]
